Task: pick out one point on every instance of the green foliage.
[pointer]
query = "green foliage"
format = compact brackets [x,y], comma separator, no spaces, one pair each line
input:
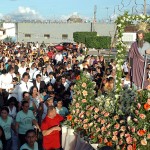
[147,37]
[80,37]
[8,39]
[98,42]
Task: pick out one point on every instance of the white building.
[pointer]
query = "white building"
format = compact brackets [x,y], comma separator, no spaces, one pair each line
[7,30]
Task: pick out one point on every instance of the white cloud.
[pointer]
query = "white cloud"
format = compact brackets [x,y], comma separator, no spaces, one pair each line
[24,13]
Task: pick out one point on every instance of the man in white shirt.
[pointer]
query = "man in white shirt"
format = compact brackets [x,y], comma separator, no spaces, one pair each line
[59,57]
[24,86]
[50,79]
[22,68]
[38,71]
[64,83]
[9,78]
[32,71]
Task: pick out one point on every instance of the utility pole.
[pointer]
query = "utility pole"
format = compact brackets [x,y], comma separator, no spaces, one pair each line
[144,7]
[94,19]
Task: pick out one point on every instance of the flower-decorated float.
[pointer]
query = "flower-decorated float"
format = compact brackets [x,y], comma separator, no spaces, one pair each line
[120,119]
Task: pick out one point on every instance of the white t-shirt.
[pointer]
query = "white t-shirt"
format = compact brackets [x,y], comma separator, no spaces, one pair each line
[25,146]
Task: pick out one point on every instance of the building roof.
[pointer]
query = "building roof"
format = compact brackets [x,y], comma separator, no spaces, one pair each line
[74,18]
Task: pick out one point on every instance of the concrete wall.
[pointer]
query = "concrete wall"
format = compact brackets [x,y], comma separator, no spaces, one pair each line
[55,30]
[10,30]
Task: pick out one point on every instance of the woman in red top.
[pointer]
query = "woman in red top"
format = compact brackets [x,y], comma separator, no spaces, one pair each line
[51,130]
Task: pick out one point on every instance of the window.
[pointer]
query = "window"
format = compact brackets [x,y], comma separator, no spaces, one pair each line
[64,36]
[27,35]
[46,36]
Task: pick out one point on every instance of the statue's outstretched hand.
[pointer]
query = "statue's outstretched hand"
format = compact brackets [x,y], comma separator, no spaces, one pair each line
[148,51]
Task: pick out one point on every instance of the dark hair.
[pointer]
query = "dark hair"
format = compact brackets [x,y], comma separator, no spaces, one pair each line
[38,75]
[4,71]
[25,74]
[5,108]
[31,90]
[24,102]
[27,69]
[30,131]
[23,94]
[2,138]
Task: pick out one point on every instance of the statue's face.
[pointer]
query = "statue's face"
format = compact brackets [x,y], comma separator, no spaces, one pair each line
[140,36]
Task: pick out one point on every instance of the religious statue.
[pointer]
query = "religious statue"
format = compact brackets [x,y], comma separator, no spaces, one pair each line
[139,49]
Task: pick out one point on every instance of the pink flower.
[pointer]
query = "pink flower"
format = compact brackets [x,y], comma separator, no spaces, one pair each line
[102,112]
[85,120]
[103,121]
[122,134]
[114,138]
[95,116]
[120,142]
[148,101]
[108,133]
[88,113]
[105,140]
[138,105]
[116,117]
[91,124]
[108,126]
[103,129]
[127,135]
[117,126]
[77,105]
[148,136]
[123,128]
[98,129]
[106,114]
[88,106]
[91,108]
[136,112]
[84,93]
[142,116]
[121,121]
[85,126]
[99,120]
[83,85]
[84,101]
[135,120]
[134,140]
[129,147]
[129,140]
[144,142]
[133,129]
[115,133]
[96,110]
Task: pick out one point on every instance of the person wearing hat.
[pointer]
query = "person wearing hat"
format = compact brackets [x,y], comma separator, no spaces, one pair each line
[136,59]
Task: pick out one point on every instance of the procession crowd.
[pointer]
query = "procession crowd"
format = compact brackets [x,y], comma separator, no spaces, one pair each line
[36,89]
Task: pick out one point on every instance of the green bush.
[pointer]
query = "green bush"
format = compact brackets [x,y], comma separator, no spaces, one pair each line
[81,36]
[147,37]
[98,42]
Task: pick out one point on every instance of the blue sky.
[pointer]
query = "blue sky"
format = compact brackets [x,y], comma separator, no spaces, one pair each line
[64,8]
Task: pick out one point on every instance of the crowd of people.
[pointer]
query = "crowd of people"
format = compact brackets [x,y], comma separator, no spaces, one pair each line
[37,87]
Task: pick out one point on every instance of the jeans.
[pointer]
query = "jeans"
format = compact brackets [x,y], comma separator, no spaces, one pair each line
[8,144]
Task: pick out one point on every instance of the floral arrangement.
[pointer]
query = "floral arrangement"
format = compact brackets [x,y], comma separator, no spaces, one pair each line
[83,103]
[123,124]
[122,22]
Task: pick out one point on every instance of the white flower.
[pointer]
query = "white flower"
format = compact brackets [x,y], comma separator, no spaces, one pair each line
[129,119]
[142,16]
[119,25]
[116,96]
